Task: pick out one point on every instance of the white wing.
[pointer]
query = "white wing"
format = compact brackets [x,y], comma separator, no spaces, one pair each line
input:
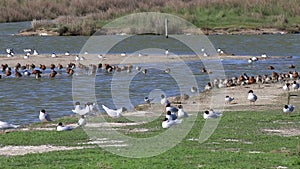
[5,125]
[80,111]
[112,113]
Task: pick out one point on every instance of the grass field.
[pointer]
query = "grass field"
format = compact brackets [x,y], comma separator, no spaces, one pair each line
[241,140]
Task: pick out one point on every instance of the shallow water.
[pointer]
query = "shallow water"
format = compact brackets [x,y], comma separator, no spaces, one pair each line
[21,99]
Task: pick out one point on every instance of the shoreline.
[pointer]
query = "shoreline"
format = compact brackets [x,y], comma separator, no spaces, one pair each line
[205,31]
[114,59]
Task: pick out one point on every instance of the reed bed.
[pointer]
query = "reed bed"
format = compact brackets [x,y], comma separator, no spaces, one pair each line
[91,14]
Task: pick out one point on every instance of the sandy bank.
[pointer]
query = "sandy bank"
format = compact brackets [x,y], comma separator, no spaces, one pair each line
[87,59]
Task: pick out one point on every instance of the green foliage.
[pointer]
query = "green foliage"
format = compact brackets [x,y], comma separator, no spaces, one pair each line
[89,15]
[240,141]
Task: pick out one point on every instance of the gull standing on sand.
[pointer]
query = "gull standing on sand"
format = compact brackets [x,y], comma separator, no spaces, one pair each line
[35,52]
[288,108]
[82,121]
[44,116]
[53,55]
[148,100]
[61,127]
[211,114]
[228,99]
[251,97]
[181,113]
[5,125]
[114,113]
[286,87]
[295,85]
[79,110]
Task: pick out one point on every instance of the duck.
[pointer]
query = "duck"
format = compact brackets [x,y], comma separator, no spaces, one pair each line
[167,70]
[292,66]
[169,123]
[53,73]
[228,99]
[114,113]
[79,110]
[82,121]
[6,125]
[194,89]
[61,127]
[181,113]
[44,116]
[295,85]
[288,108]
[208,114]
[251,96]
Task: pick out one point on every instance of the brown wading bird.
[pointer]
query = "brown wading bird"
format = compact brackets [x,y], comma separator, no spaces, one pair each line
[17,74]
[43,67]
[53,73]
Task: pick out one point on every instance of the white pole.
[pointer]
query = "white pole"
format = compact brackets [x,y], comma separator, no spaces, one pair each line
[166,28]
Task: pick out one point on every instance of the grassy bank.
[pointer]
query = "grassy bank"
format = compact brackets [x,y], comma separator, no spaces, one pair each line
[240,141]
[85,17]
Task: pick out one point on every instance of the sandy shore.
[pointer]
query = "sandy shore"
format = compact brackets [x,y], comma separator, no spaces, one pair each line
[46,59]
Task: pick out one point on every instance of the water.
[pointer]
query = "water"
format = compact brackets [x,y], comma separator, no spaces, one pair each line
[21,99]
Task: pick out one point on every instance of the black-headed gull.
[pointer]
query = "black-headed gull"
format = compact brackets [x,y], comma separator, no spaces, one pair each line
[171,108]
[169,123]
[211,114]
[171,116]
[228,99]
[82,121]
[61,127]
[286,87]
[114,113]
[251,96]
[44,116]
[295,85]
[288,108]
[148,100]
[79,110]
[181,113]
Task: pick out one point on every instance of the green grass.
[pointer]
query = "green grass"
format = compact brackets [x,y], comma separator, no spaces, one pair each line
[216,152]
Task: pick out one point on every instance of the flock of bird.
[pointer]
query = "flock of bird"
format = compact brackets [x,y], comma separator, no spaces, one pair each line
[174,115]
